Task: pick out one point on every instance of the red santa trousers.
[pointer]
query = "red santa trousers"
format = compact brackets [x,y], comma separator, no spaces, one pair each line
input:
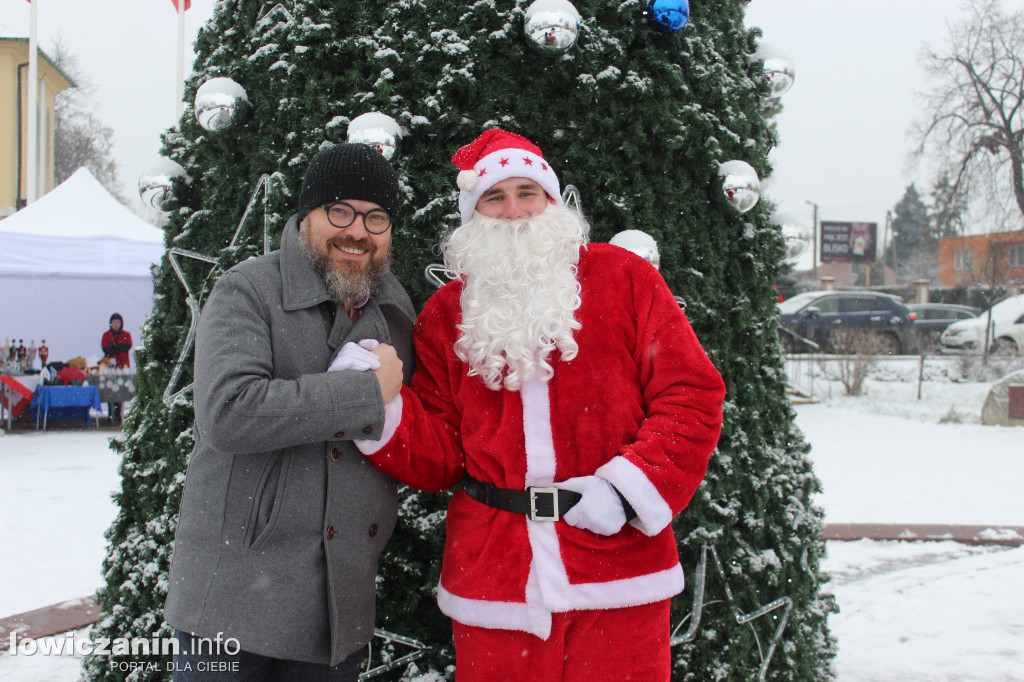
[630,643]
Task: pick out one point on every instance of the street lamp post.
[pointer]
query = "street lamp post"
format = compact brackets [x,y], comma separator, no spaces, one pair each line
[814,242]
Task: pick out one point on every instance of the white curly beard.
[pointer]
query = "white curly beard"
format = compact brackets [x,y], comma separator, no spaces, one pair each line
[520,294]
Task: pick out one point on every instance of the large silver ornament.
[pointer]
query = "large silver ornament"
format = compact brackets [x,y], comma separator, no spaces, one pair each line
[378,130]
[778,69]
[741,185]
[640,243]
[551,26]
[221,105]
[796,237]
[156,185]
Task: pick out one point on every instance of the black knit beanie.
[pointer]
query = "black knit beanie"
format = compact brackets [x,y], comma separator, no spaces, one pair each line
[116,316]
[349,171]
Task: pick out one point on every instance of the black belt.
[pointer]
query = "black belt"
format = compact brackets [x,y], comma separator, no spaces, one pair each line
[537,503]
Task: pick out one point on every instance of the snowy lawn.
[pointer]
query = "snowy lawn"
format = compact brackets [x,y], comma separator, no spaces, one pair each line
[935,611]
[55,488]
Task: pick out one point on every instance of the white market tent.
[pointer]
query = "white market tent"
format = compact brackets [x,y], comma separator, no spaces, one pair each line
[70,260]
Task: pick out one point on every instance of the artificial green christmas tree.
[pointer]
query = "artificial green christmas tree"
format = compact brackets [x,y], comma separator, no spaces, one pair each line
[639,120]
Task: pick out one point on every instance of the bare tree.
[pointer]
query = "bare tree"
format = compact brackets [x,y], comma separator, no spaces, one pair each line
[857,351]
[80,138]
[973,107]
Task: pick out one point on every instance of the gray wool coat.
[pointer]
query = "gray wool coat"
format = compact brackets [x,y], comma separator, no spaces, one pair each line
[282,519]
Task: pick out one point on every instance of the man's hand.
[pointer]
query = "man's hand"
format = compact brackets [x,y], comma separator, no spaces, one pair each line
[389,374]
[600,511]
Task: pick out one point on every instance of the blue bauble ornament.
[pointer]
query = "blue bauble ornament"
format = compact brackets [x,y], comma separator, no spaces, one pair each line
[668,16]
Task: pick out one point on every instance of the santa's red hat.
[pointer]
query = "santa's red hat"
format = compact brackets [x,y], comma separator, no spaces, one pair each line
[499,155]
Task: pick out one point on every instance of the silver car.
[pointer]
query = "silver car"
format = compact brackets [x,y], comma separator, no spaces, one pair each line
[1006,334]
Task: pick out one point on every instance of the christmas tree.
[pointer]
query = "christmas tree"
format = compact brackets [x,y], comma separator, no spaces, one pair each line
[638,114]
[914,251]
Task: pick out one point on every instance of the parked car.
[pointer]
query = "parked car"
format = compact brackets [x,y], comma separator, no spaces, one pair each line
[1006,334]
[933,318]
[810,320]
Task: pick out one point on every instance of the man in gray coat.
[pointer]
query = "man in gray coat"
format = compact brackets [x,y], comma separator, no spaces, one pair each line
[282,519]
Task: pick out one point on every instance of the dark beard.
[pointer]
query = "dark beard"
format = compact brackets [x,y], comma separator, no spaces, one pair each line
[341,282]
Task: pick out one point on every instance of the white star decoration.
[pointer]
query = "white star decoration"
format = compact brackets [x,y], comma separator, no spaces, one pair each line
[418,649]
[741,618]
[571,198]
[194,305]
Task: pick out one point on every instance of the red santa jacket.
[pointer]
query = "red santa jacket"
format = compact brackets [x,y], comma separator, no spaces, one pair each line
[640,405]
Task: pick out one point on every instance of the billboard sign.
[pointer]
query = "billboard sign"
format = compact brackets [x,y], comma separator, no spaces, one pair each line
[848,242]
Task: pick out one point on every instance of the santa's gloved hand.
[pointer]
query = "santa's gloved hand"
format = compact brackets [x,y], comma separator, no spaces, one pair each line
[356,357]
[600,510]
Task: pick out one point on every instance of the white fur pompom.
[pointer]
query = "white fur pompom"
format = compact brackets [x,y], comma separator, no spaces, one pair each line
[466,180]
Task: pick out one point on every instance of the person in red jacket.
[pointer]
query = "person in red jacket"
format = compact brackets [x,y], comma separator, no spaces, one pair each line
[116,344]
[562,384]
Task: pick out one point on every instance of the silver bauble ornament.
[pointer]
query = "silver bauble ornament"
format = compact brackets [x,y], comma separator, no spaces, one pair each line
[640,243]
[778,69]
[156,185]
[796,237]
[221,105]
[741,185]
[551,26]
[378,130]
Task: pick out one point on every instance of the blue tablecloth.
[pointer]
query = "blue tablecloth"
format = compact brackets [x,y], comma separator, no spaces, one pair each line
[64,402]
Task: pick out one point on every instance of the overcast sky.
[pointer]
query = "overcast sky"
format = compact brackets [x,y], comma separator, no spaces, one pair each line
[843,132]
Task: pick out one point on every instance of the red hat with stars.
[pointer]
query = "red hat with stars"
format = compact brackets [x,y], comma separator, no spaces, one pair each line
[495,156]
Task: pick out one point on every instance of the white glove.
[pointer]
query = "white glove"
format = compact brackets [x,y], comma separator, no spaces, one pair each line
[599,511]
[356,357]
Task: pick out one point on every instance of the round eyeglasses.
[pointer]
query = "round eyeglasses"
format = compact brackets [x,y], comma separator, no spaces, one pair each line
[341,215]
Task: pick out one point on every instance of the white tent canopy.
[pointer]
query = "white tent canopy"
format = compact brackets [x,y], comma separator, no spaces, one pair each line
[70,260]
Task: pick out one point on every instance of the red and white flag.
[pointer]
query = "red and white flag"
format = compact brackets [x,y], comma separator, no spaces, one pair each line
[188,3]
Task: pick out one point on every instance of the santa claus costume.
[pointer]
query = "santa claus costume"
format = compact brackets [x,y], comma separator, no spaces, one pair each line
[627,396]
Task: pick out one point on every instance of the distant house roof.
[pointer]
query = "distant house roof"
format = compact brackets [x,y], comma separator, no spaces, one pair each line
[13,39]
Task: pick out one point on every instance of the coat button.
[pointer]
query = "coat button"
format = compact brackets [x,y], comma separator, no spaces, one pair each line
[330,532]
[339,434]
[368,430]
[373,529]
[335,454]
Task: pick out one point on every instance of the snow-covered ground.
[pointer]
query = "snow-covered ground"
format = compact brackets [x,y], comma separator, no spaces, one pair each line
[935,611]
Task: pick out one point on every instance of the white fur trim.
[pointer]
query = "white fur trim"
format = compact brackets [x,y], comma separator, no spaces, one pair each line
[641,589]
[535,617]
[502,165]
[495,614]
[540,444]
[552,580]
[653,513]
[392,418]
[466,180]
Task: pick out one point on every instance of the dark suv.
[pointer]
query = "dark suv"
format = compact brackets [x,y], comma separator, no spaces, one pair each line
[810,320]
